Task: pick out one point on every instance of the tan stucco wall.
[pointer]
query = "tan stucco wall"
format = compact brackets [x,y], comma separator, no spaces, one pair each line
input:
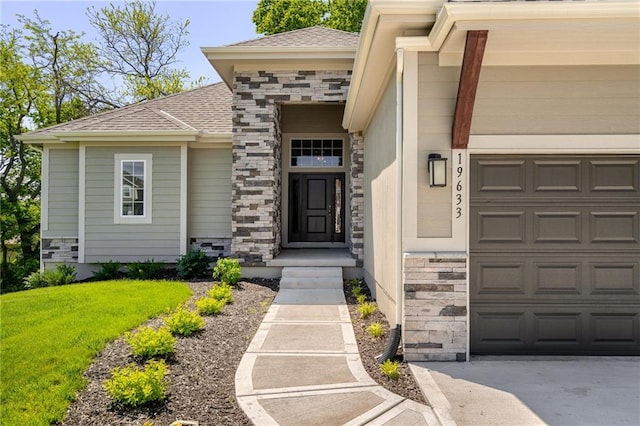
[380,202]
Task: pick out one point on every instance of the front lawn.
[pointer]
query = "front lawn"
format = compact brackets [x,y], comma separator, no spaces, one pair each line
[49,336]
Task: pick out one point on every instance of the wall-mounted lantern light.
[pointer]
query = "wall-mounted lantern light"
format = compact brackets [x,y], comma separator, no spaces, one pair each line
[437,169]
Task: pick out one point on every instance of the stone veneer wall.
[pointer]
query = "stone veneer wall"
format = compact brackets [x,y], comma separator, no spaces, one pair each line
[356,200]
[214,247]
[60,250]
[257,145]
[435,307]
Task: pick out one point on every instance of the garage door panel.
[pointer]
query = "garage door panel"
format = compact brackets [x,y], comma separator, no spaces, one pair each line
[534,330]
[613,227]
[620,328]
[557,176]
[555,277]
[555,255]
[614,175]
[557,227]
[501,227]
[502,176]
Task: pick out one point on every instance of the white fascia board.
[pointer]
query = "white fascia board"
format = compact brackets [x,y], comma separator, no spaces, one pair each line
[378,11]
[135,136]
[457,12]
[215,139]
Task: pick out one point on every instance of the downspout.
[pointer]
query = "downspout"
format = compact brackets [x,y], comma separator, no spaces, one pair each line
[396,333]
[399,135]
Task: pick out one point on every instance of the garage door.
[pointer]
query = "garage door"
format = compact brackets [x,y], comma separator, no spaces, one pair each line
[555,255]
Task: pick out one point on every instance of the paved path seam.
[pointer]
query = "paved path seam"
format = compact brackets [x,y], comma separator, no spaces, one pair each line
[301,369]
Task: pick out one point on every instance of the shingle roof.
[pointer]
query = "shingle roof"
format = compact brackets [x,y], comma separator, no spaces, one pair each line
[317,36]
[206,109]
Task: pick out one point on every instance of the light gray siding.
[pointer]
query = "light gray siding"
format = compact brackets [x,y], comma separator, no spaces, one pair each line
[159,240]
[63,193]
[210,192]
[380,195]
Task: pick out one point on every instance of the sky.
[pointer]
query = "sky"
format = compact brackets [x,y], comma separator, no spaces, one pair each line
[212,23]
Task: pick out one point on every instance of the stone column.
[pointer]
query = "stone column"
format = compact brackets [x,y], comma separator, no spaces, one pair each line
[356,201]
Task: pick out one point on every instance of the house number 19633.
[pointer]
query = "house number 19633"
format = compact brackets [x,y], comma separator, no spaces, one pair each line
[459,185]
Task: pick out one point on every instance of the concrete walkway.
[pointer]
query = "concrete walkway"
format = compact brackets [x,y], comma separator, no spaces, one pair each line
[303,368]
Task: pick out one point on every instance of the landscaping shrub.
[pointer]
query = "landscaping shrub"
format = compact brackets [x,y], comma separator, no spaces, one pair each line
[227,270]
[210,306]
[193,264]
[375,329]
[34,280]
[356,288]
[366,309]
[61,275]
[222,292]
[147,343]
[108,271]
[391,369]
[361,298]
[146,270]
[184,322]
[132,386]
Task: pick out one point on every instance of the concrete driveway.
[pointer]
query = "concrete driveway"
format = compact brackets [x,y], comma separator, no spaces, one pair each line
[532,391]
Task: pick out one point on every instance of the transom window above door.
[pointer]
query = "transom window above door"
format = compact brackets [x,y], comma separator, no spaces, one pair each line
[317,153]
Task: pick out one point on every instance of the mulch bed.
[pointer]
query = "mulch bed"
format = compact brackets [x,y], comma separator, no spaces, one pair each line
[202,372]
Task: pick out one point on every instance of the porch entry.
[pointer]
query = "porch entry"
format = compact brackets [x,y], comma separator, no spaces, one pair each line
[316,207]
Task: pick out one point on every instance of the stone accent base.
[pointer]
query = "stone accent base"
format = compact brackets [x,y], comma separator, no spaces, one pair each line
[435,307]
[62,249]
[213,246]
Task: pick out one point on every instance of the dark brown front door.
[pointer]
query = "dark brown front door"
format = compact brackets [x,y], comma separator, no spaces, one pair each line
[316,207]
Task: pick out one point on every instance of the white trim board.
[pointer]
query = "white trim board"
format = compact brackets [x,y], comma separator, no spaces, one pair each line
[554,144]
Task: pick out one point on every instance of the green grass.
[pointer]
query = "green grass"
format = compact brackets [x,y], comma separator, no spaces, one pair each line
[49,336]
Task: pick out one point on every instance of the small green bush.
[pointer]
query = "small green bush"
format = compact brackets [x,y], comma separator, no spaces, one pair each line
[366,309]
[391,369]
[375,329]
[193,265]
[146,270]
[222,292]
[227,270]
[108,271]
[147,343]
[34,280]
[361,298]
[209,306]
[184,322]
[61,275]
[356,290]
[132,386]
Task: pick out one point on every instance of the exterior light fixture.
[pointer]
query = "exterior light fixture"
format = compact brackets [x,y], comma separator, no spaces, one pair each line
[437,169]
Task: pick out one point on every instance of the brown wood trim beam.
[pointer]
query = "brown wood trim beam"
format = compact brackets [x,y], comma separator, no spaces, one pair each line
[469,76]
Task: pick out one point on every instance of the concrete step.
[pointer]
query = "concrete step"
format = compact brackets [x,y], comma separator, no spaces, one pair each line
[311,278]
[307,272]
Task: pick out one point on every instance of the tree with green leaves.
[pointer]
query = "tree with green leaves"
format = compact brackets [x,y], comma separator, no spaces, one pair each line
[45,79]
[141,46]
[278,16]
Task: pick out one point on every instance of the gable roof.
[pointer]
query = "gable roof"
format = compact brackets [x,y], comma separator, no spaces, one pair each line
[307,48]
[205,110]
[317,36]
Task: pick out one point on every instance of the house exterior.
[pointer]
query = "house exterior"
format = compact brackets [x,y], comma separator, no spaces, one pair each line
[318,138]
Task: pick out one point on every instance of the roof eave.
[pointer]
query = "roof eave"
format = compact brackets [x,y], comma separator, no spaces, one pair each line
[224,59]
[112,136]
[454,19]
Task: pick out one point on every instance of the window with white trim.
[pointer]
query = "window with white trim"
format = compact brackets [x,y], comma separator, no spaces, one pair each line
[132,184]
[317,153]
